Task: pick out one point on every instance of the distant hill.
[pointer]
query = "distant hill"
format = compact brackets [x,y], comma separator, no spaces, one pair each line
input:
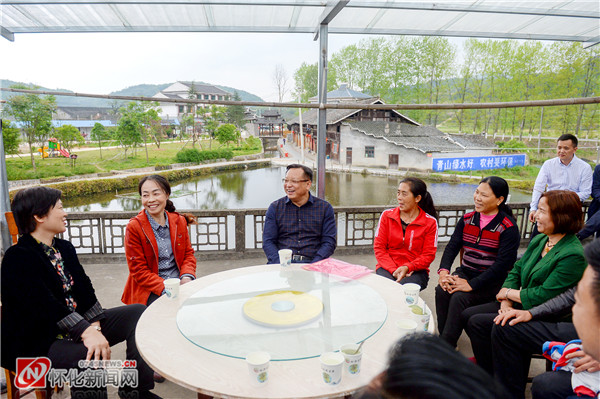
[145,90]
[61,101]
[150,90]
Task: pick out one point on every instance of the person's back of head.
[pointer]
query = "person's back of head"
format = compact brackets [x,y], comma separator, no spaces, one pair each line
[423,366]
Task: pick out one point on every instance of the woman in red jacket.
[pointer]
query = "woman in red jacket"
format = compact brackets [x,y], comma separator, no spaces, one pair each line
[157,244]
[406,238]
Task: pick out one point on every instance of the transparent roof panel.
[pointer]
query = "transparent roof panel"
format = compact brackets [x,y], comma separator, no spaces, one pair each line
[577,20]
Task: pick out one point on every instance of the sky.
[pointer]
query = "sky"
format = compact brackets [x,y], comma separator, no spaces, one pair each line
[100,63]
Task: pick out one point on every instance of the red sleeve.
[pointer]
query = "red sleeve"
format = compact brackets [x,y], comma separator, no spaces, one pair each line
[139,269]
[427,253]
[380,245]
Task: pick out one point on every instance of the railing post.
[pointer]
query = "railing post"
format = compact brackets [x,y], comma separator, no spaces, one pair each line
[240,231]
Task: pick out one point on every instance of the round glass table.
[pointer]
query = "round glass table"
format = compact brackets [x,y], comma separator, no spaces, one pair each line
[211,308]
[291,314]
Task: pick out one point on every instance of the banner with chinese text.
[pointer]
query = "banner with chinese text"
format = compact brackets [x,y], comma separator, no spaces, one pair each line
[478,163]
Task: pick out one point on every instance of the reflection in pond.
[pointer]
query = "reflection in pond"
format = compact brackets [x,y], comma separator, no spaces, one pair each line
[257,188]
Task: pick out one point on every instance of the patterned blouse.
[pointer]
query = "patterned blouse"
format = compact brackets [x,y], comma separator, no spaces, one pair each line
[64,275]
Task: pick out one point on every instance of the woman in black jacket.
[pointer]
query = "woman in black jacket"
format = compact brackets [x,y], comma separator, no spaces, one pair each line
[49,308]
[488,239]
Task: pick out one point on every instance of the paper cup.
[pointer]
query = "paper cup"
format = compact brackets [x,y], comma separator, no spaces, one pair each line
[285,257]
[406,326]
[421,319]
[258,367]
[351,358]
[331,367]
[172,287]
[411,293]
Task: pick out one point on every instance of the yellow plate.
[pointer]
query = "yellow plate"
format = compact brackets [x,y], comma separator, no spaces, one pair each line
[284,308]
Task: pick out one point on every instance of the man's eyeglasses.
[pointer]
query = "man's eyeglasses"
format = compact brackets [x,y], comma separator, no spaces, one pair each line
[287,181]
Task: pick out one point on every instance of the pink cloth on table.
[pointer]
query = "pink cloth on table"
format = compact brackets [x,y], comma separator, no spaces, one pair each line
[338,268]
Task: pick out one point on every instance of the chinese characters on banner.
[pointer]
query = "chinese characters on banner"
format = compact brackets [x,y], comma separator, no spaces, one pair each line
[477,163]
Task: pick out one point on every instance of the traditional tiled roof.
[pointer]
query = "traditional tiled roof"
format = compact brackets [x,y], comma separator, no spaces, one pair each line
[76,123]
[270,121]
[206,89]
[311,117]
[342,93]
[270,113]
[85,112]
[471,140]
[169,95]
[421,138]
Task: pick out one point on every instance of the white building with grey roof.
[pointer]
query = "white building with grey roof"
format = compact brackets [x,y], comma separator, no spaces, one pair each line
[382,138]
[183,90]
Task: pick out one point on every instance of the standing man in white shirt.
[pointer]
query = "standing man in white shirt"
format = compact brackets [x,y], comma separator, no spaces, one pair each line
[565,172]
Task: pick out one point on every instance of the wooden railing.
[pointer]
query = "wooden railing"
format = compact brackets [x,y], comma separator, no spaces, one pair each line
[237,233]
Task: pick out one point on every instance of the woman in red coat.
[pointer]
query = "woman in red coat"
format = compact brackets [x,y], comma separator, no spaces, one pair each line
[157,244]
[406,238]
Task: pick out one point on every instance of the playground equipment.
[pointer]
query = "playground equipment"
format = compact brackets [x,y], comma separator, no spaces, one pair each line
[54,149]
[44,151]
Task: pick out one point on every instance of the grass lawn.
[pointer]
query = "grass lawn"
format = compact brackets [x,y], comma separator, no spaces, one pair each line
[112,159]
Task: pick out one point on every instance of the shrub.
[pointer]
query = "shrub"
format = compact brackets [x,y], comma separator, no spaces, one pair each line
[194,155]
[512,145]
[252,143]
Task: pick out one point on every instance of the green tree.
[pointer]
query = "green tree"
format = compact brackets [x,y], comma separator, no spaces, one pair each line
[137,123]
[193,109]
[306,81]
[98,134]
[398,58]
[212,120]
[187,121]
[11,138]
[68,136]
[227,133]
[235,114]
[130,128]
[151,125]
[438,58]
[35,113]
[345,64]
[128,133]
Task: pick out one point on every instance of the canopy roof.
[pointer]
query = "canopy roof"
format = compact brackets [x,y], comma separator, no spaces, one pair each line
[576,20]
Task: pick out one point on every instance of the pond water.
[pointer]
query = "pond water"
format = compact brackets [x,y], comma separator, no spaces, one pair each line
[257,188]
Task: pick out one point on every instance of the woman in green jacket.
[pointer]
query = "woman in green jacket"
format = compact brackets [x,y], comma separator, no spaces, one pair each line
[552,263]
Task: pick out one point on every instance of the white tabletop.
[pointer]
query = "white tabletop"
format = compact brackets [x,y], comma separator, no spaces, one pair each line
[175,357]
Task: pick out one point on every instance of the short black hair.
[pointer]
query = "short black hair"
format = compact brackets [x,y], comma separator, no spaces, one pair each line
[308,173]
[592,255]
[568,136]
[426,367]
[30,202]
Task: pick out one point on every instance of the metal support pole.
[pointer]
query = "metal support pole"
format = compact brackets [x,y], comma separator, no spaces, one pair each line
[322,113]
[4,199]
[540,132]
[302,160]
